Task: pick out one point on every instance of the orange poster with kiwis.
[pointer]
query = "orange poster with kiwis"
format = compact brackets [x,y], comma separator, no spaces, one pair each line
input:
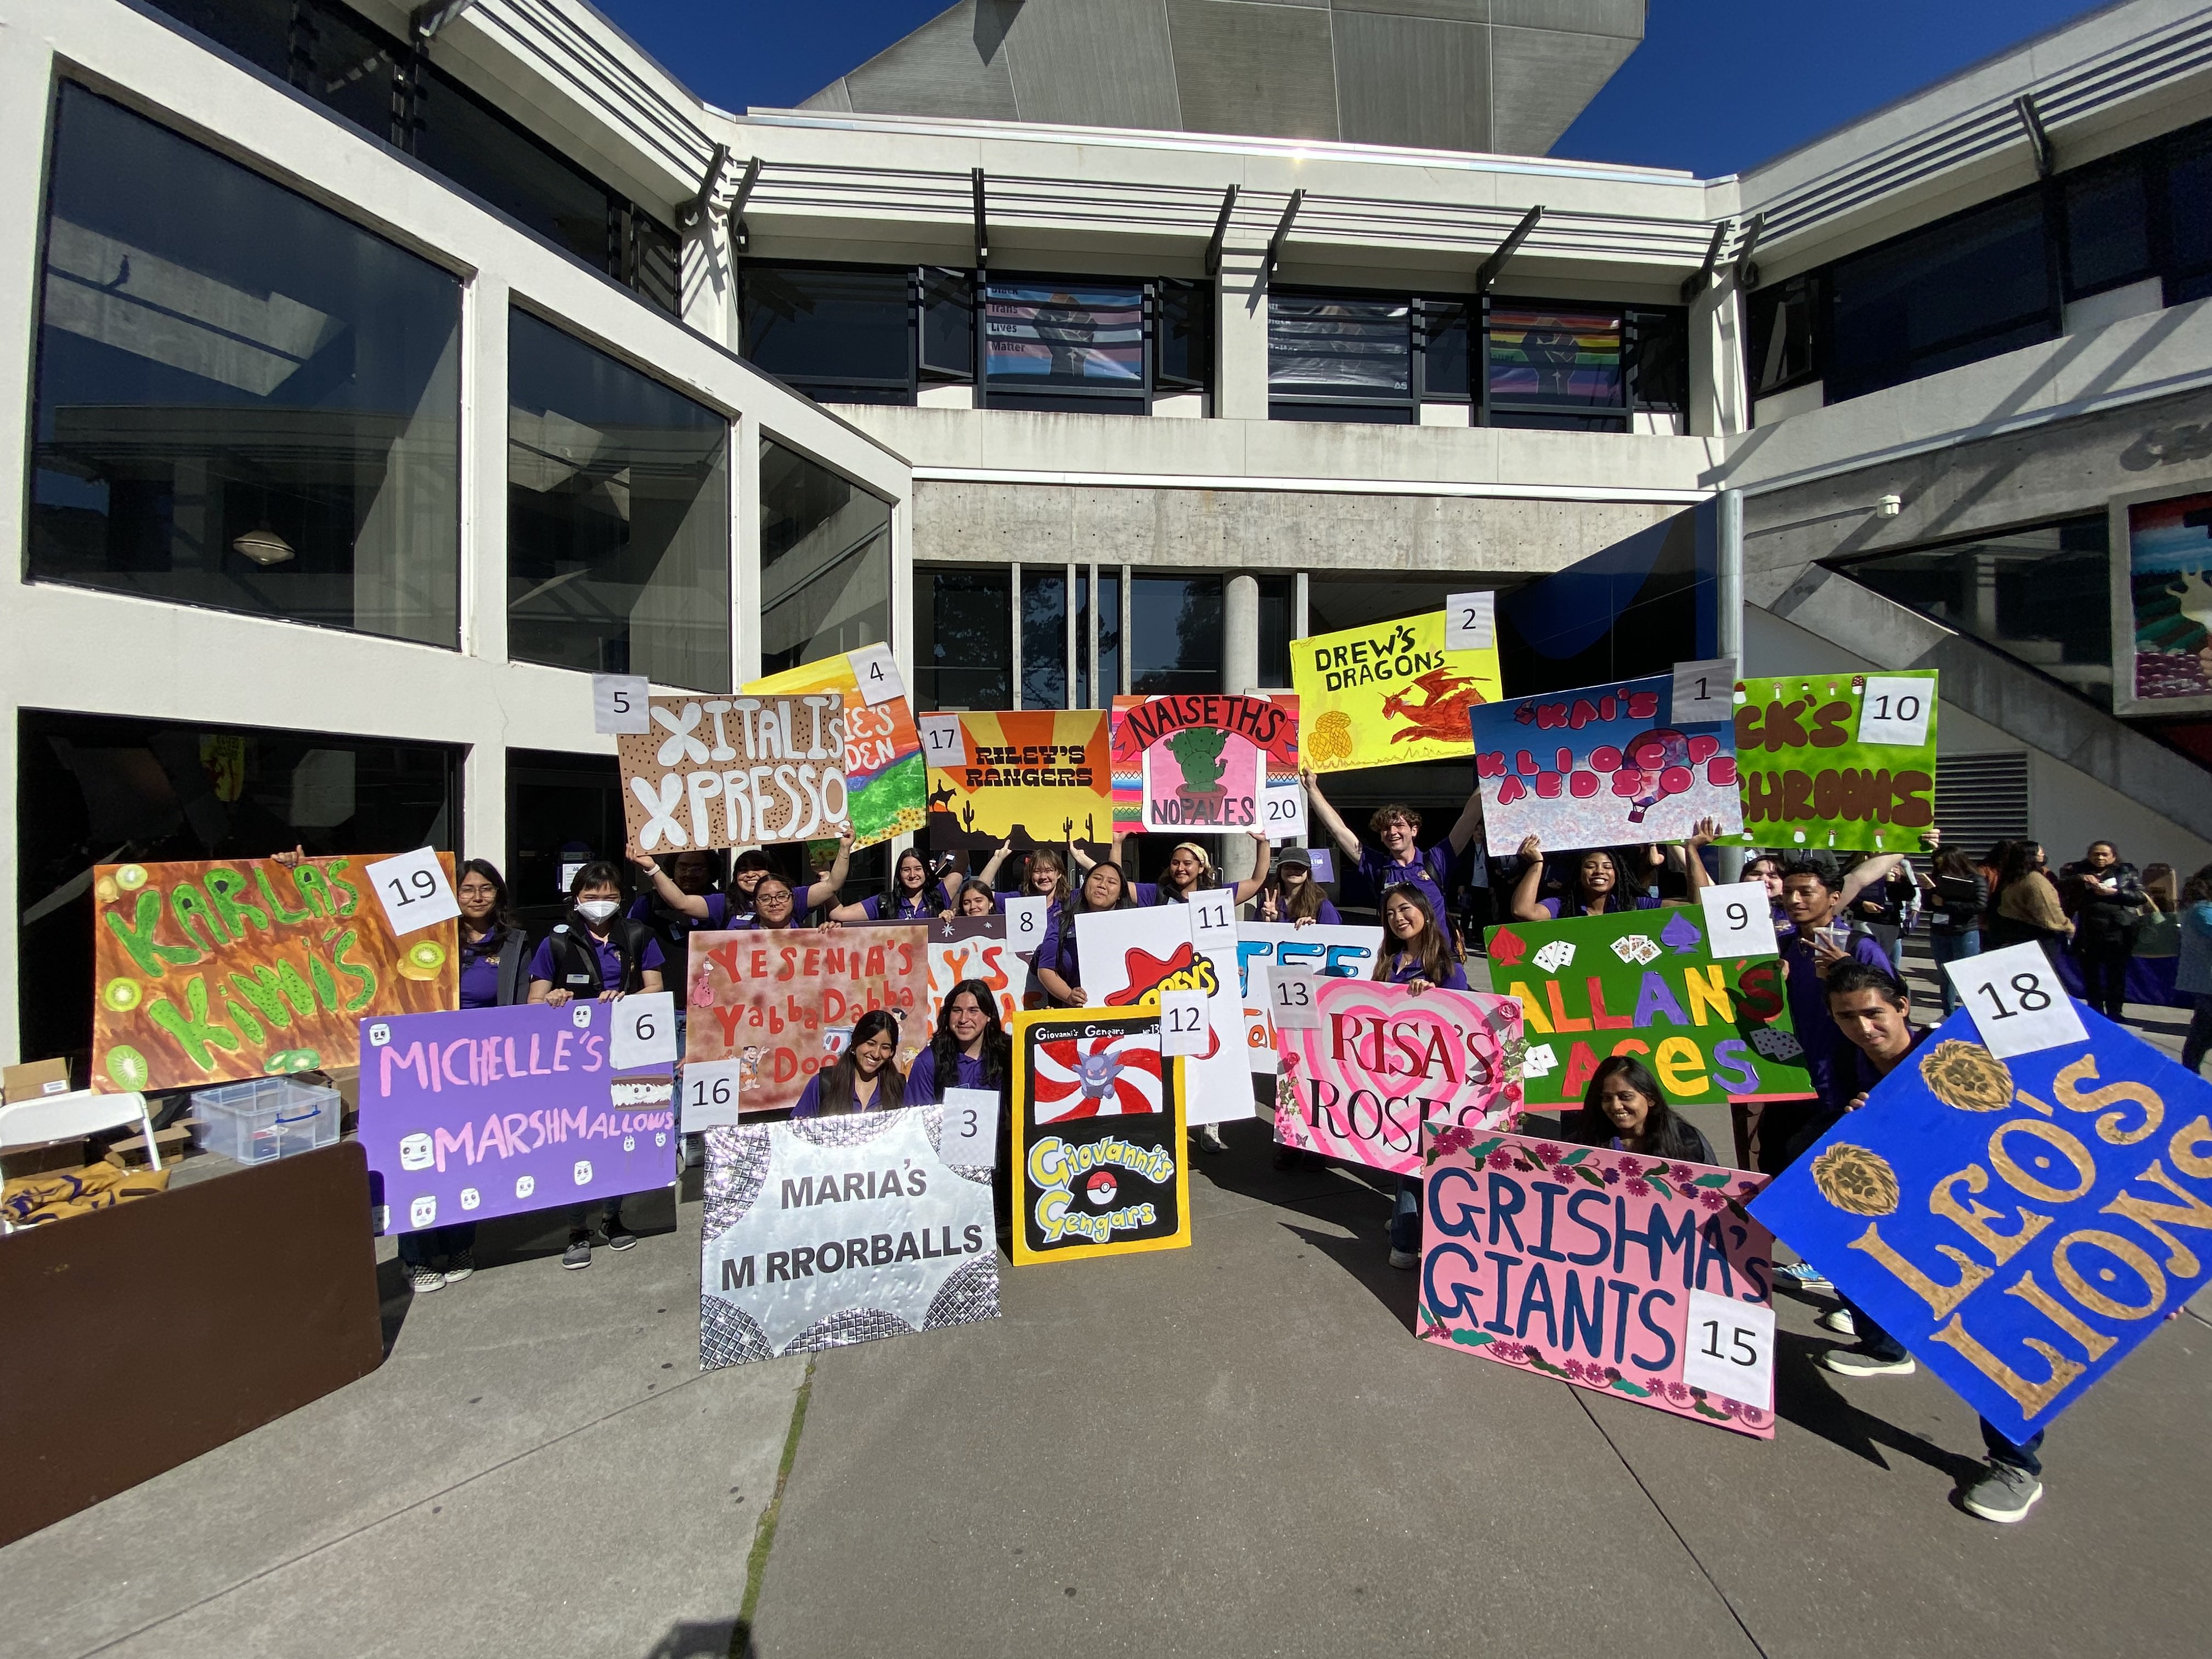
[237,968]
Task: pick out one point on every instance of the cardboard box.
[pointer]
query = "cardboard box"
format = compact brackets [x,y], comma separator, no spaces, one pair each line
[34,1078]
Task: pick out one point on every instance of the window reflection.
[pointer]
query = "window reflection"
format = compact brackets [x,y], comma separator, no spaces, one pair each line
[1044,639]
[962,645]
[1174,628]
[618,516]
[243,401]
[825,561]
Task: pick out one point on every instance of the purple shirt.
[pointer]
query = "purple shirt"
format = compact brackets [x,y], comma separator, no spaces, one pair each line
[880,908]
[480,970]
[1426,871]
[1058,953]
[1825,1045]
[1404,969]
[921,1088]
[1641,901]
[809,1104]
[542,965]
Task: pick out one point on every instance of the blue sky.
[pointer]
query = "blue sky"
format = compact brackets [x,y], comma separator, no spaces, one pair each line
[1718,85]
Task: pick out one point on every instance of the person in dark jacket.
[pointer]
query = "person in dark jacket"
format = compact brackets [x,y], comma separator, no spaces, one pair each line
[2105,898]
[1624,1108]
[1958,895]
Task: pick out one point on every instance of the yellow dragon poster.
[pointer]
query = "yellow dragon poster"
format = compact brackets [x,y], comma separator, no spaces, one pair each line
[1388,693]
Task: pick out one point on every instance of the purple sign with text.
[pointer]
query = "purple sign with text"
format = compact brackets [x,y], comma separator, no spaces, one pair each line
[493,1111]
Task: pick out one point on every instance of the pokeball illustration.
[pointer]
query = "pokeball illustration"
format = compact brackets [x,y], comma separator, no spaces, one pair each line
[1100,1189]
[470,1198]
[1098,1077]
[579,1015]
[379,1035]
[525,1185]
[416,1152]
[422,1213]
[583,1172]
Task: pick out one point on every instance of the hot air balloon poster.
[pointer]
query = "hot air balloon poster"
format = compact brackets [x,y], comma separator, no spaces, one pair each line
[1098,1136]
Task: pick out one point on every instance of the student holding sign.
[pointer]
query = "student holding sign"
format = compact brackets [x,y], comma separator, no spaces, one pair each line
[970,1049]
[1599,885]
[1190,870]
[1395,856]
[1416,954]
[1046,879]
[1294,897]
[862,1079]
[1625,1109]
[1104,888]
[913,895]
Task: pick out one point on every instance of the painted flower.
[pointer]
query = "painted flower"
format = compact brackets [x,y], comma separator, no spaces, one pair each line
[1512,1352]
[1676,1394]
[1549,1155]
[1457,1138]
[1613,1373]
[1680,1171]
[1573,1368]
[1639,1188]
[1628,1166]
[1613,1177]
[1711,1200]
[1748,1189]
[1501,1160]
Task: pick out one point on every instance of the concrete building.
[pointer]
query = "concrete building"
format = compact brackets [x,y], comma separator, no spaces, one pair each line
[1110,382]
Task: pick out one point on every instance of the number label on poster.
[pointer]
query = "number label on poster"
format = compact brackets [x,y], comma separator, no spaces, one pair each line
[1895,711]
[970,1137]
[645,1031]
[944,742]
[877,672]
[1213,919]
[1026,920]
[1703,691]
[1283,813]
[1470,621]
[2016,1000]
[1738,921]
[413,889]
[710,1093]
[622,705]
[1729,1349]
[1292,1002]
[1183,1023]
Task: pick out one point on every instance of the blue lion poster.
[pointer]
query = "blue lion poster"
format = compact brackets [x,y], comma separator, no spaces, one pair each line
[2019,1224]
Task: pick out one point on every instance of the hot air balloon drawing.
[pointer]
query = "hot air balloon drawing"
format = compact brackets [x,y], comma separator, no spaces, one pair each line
[1117,1076]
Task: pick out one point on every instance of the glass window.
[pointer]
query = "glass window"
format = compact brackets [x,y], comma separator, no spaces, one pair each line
[826,328]
[964,647]
[1785,319]
[2041,595]
[1098,690]
[1175,634]
[1554,357]
[1445,371]
[825,561]
[948,325]
[243,401]
[2188,217]
[1277,595]
[1334,346]
[562,811]
[1186,335]
[1064,334]
[2107,228]
[618,516]
[1044,639]
[1659,360]
[92,789]
[1969,287]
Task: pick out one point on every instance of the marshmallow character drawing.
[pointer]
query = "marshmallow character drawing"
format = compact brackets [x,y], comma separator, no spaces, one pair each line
[416,1152]
[422,1213]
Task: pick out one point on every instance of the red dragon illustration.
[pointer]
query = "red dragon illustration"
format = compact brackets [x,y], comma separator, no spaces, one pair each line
[1443,715]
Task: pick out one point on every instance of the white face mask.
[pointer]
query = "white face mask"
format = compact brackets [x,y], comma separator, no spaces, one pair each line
[597,910]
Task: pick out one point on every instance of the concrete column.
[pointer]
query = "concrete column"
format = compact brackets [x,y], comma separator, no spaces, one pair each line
[1719,406]
[1241,334]
[709,289]
[1240,672]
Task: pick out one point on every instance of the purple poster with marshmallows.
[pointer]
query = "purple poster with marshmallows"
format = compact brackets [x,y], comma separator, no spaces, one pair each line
[493,1111]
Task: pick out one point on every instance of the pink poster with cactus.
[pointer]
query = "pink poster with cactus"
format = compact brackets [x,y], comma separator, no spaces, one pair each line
[1376,1061]
[1640,1278]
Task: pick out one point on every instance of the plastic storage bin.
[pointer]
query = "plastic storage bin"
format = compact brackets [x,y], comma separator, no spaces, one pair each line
[266,1117]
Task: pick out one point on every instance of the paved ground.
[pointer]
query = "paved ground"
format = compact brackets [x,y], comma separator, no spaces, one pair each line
[1232,1449]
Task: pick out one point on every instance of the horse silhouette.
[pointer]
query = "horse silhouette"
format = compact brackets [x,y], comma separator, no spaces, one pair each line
[940,798]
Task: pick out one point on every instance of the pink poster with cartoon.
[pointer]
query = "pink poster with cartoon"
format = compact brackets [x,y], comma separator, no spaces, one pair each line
[1374,1061]
[1603,766]
[1635,1277]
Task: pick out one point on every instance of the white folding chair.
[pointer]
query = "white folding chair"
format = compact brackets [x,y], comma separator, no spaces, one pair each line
[70,1117]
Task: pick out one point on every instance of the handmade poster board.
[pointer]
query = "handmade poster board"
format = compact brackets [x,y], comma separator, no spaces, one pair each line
[1129,957]
[1392,692]
[733,771]
[213,971]
[1601,1269]
[1643,983]
[973,947]
[1204,764]
[1338,952]
[828,1231]
[2019,1224]
[1033,778]
[2162,603]
[1603,766]
[780,1003]
[486,1112]
[1098,1130]
[1843,763]
[885,778]
[1380,1061]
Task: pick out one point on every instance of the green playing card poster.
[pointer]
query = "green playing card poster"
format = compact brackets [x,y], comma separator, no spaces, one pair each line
[1840,762]
[1643,983]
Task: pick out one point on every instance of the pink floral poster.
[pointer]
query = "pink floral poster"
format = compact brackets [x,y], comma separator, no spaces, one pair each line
[1625,1275]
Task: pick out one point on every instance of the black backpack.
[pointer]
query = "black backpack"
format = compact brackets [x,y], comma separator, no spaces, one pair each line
[577,965]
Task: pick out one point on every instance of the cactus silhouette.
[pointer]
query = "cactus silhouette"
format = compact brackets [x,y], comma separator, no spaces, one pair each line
[1197,749]
[968,816]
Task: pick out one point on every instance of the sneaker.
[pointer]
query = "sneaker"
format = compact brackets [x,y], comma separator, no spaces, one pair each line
[619,1238]
[1804,1275]
[427,1279]
[2004,1494]
[459,1268]
[1209,1140]
[1840,1320]
[578,1253]
[1404,1259]
[1862,1362]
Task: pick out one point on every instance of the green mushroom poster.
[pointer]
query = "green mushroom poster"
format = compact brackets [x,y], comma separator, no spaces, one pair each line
[236,967]
[1839,763]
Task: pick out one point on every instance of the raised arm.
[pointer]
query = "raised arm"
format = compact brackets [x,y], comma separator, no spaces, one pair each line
[1693,867]
[1525,906]
[989,875]
[852,913]
[1877,868]
[1338,832]
[690,904]
[829,887]
[1253,883]
[1470,821]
